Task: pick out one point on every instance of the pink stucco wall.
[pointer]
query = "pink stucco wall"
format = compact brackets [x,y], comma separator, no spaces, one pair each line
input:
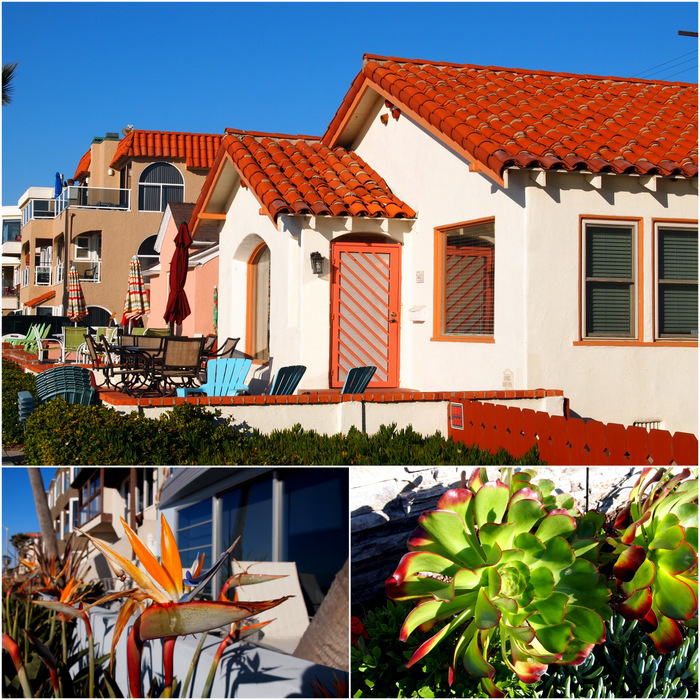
[199,288]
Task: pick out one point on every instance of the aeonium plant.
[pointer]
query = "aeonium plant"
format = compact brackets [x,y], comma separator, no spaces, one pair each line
[656,556]
[505,561]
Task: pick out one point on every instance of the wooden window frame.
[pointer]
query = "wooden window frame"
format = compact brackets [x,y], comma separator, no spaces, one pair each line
[98,475]
[439,238]
[670,341]
[637,313]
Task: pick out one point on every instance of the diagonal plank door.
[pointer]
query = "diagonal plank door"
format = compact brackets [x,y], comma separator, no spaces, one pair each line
[365,305]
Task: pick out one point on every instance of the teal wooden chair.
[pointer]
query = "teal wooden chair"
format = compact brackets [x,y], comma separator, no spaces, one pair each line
[225,377]
[287,380]
[72,384]
[357,380]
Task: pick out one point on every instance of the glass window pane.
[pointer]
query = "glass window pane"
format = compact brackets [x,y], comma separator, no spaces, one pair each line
[194,514]
[469,276]
[678,309]
[172,193]
[609,252]
[608,309]
[247,511]
[315,528]
[149,198]
[678,254]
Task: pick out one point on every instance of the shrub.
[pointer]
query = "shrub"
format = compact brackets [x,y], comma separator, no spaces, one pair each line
[14,379]
[58,433]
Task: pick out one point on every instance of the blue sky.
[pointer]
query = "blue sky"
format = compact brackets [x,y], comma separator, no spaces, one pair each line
[88,68]
[18,511]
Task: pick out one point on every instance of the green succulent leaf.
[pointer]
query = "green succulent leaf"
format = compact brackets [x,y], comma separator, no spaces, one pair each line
[427,646]
[436,610]
[497,533]
[473,659]
[669,538]
[628,562]
[556,524]
[405,583]
[448,528]
[542,580]
[491,502]
[643,578]
[525,513]
[637,606]
[554,638]
[557,556]
[586,549]
[523,634]
[589,626]
[676,561]
[552,609]
[673,597]
[590,524]
[667,637]
[486,614]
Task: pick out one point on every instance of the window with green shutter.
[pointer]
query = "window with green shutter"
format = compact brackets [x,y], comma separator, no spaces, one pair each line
[677,294]
[609,281]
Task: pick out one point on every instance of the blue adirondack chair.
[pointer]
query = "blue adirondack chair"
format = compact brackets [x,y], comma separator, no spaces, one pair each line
[287,380]
[225,377]
[357,380]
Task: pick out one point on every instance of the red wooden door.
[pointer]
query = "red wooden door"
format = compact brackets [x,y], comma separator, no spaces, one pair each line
[365,311]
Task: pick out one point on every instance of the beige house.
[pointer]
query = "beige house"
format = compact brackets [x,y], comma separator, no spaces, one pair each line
[110,210]
[106,494]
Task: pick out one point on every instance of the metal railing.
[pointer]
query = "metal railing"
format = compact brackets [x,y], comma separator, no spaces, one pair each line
[110,198]
[42,275]
[93,198]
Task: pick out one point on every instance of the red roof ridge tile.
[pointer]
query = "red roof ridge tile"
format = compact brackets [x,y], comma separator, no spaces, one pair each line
[258,134]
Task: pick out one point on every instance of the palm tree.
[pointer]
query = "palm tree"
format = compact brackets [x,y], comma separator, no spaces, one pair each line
[48,534]
[8,73]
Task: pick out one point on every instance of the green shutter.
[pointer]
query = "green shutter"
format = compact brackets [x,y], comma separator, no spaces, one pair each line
[609,281]
[678,276]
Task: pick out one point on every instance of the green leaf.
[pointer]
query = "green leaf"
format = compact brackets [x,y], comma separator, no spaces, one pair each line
[545,486]
[474,660]
[668,538]
[673,597]
[628,562]
[525,514]
[405,584]
[555,525]
[491,502]
[542,580]
[552,609]
[436,610]
[557,556]
[676,561]
[448,528]
[643,578]
[586,549]
[554,638]
[589,626]
[485,613]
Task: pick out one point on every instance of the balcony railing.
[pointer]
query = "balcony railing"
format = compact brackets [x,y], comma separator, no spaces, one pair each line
[42,275]
[113,199]
[88,270]
[93,198]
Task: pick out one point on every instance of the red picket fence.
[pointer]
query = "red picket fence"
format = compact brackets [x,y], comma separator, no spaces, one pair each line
[566,441]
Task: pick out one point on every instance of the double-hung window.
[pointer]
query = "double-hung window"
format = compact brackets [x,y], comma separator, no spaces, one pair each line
[677,282]
[465,256]
[609,280]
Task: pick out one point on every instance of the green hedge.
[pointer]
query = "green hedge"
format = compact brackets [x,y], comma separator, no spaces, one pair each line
[14,379]
[59,433]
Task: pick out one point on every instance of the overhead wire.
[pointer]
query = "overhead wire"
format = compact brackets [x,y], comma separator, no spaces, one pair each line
[674,61]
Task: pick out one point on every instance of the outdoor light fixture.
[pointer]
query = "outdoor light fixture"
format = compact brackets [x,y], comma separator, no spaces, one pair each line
[317,263]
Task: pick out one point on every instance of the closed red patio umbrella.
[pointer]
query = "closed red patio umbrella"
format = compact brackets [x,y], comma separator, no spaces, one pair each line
[178,308]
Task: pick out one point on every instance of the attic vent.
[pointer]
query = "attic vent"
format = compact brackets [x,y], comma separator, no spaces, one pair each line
[648,424]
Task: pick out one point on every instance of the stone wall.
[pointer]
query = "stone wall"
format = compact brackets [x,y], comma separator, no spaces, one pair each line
[385,503]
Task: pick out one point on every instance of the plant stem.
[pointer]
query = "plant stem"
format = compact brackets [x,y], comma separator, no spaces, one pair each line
[63,640]
[134,650]
[168,651]
[212,671]
[91,656]
[195,658]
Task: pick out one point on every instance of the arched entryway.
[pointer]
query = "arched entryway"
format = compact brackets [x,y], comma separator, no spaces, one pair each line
[258,304]
[365,309]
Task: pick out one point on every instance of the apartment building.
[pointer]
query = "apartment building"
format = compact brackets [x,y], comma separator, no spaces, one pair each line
[110,210]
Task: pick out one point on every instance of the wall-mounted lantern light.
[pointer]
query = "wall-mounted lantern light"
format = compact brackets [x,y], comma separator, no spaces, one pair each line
[317,263]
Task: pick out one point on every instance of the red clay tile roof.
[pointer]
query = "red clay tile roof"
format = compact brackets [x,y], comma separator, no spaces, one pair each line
[84,165]
[503,117]
[198,150]
[300,175]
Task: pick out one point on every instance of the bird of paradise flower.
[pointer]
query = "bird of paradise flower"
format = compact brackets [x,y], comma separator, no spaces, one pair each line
[172,612]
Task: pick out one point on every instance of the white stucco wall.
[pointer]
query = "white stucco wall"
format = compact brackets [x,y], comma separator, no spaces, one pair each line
[536,282]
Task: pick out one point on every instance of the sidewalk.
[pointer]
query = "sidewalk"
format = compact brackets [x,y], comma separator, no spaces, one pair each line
[12,456]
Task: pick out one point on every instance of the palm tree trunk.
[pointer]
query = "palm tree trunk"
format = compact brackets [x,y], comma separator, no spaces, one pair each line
[327,638]
[48,534]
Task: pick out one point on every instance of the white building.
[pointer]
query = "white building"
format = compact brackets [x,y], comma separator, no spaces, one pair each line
[480,229]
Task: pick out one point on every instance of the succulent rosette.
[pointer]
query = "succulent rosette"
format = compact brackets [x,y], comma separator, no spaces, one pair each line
[656,564]
[505,561]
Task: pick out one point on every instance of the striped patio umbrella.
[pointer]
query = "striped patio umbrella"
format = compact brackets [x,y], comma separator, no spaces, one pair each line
[77,310]
[216,311]
[136,303]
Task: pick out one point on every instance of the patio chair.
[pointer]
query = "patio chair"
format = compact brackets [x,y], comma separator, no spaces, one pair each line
[287,380]
[291,618]
[43,345]
[225,377]
[153,343]
[357,380]
[134,368]
[209,343]
[226,350]
[182,360]
[28,343]
[72,384]
[19,339]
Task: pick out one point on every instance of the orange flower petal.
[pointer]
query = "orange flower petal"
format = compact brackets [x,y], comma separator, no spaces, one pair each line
[170,556]
[125,614]
[151,564]
[143,581]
